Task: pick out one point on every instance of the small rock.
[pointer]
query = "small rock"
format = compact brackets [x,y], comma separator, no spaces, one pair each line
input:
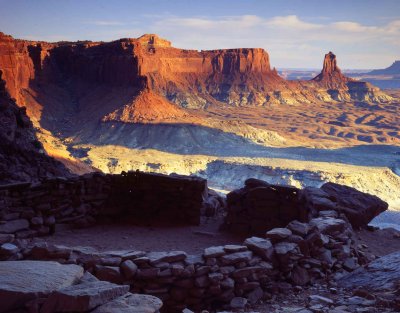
[8,249]
[255,295]
[5,238]
[213,252]
[37,221]
[128,269]
[350,264]
[205,233]
[238,303]
[278,234]
[316,299]
[299,228]
[328,213]
[172,256]
[237,257]
[131,303]
[328,225]
[261,247]
[300,276]
[283,248]
[234,248]
[108,273]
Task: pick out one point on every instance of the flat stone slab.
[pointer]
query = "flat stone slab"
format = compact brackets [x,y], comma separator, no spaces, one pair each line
[22,281]
[328,225]
[260,246]
[171,256]
[131,303]
[83,297]
[380,275]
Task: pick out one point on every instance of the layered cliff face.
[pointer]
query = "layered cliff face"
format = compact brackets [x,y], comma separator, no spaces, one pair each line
[77,90]
[34,71]
[22,157]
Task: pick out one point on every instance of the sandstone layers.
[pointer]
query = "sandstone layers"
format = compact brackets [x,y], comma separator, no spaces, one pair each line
[107,93]
[74,77]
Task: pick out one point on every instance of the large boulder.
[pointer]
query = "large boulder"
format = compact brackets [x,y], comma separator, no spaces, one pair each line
[22,281]
[359,207]
[259,207]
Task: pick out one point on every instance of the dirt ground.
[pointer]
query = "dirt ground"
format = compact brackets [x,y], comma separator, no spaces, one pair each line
[380,242]
[191,239]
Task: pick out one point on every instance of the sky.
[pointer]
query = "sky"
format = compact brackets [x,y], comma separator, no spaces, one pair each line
[364,34]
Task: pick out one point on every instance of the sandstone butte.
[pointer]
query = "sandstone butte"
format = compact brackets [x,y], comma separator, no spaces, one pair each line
[147,80]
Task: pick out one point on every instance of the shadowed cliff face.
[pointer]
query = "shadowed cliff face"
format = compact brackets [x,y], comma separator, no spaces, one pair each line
[21,155]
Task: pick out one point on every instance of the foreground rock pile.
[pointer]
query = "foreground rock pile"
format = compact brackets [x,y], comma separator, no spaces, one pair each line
[298,255]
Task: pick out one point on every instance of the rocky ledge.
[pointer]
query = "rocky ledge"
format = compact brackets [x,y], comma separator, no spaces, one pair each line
[46,287]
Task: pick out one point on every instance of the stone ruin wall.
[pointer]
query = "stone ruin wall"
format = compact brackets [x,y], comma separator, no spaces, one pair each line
[33,210]
[298,254]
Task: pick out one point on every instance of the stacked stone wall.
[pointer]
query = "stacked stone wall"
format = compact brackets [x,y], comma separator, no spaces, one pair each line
[28,210]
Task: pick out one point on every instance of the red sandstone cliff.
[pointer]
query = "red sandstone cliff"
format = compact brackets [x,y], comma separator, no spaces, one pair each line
[188,78]
[69,87]
[331,76]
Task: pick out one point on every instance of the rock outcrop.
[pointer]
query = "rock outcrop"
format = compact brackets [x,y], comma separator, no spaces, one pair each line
[342,88]
[147,106]
[331,76]
[22,157]
[23,281]
[360,208]
[259,207]
[47,287]
[84,72]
